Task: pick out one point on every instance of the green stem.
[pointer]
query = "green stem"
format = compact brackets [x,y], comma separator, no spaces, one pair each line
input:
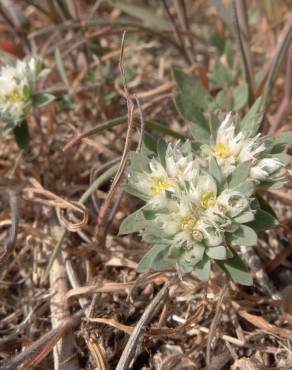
[120,121]
[93,187]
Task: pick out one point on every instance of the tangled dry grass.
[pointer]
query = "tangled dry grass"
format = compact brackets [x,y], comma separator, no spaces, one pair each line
[91,309]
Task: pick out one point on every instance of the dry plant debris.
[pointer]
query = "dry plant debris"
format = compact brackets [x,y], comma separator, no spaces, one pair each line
[88,308]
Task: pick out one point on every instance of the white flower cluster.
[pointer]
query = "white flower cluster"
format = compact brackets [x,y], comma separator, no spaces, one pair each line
[231,148]
[200,204]
[16,88]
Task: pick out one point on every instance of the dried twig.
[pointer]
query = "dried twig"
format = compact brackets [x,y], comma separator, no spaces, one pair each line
[283,108]
[144,320]
[10,241]
[177,32]
[117,179]
[240,22]
[64,351]
[35,353]
[214,324]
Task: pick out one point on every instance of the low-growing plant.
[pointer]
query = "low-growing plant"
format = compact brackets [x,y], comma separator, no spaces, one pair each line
[201,196]
[18,95]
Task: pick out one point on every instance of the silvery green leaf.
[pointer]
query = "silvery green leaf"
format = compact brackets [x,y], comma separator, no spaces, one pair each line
[147,261]
[263,221]
[229,54]
[283,157]
[203,268]
[215,171]
[244,217]
[199,125]
[246,188]
[240,174]
[251,121]
[41,100]
[162,263]
[133,223]
[217,253]
[133,191]
[221,74]
[192,90]
[235,268]
[149,142]
[240,97]
[138,162]
[281,141]
[161,151]
[174,251]
[222,100]
[244,235]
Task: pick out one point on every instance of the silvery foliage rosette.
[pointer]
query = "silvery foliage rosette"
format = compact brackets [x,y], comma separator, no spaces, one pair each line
[201,198]
[17,95]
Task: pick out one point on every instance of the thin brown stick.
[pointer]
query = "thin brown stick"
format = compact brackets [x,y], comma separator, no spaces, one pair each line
[177,32]
[238,8]
[104,209]
[144,320]
[214,324]
[34,354]
[10,241]
[283,108]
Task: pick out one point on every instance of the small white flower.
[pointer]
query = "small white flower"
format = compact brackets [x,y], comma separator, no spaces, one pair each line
[266,169]
[233,148]
[154,183]
[16,84]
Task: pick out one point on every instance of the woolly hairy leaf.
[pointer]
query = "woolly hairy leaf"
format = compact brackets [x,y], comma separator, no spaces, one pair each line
[161,151]
[215,171]
[199,127]
[240,97]
[192,90]
[244,235]
[203,268]
[221,74]
[240,174]
[133,223]
[149,142]
[147,261]
[244,217]
[252,120]
[217,253]
[281,141]
[235,268]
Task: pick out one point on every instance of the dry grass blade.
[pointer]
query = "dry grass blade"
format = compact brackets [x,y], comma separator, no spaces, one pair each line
[60,204]
[261,323]
[240,19]
[126,357]
[10,241]
[35,353]
[214,324]
[117,179]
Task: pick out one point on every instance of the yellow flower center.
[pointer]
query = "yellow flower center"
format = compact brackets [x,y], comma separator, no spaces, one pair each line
[188,223]
[159,185]
[221,150]
[14,97]
[208,200]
